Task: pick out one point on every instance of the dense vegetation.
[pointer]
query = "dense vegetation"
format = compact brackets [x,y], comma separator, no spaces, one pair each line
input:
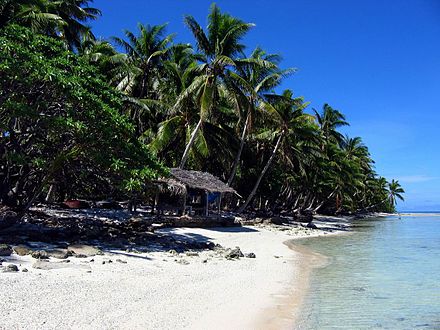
[80,119]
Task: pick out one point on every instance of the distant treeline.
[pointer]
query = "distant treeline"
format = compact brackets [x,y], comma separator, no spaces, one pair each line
[79,119]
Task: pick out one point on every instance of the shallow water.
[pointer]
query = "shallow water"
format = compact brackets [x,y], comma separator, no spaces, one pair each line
[385,275]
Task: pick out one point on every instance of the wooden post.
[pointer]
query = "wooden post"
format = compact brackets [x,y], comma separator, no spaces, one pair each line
[220,204]
[156,202]
[184,203]
[206,204]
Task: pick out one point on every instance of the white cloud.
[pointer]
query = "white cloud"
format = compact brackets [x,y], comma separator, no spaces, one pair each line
[415,178]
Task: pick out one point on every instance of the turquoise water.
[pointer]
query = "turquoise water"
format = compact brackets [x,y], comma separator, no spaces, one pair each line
[385,275]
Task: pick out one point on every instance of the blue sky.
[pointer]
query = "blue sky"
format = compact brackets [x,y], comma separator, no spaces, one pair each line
[376,61]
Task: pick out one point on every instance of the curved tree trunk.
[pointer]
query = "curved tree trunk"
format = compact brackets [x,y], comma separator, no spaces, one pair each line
[190,144]
[238,157]
[266,167]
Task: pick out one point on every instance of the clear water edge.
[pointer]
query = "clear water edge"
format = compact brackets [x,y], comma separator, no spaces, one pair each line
[384,275]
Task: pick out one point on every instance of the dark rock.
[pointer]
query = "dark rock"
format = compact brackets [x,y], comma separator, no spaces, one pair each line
[192,254]
[277,220]
[59,253]
[22,250]
[40,254]
[24,270]
[311,225]
[5,250]
[305,216]
[234,253]
[250,255]
[10,269]
[80,256]
[87,250]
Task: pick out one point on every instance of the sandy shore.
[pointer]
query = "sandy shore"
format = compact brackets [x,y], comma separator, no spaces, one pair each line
[163,290]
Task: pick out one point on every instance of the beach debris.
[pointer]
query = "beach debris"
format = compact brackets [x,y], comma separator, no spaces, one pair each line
[121,261]
[182,262]
[22,250]
[250,255]
[192,254]
[24,270]
[10,268]
[173,252]
[234,253]
[311,225]
[5,250]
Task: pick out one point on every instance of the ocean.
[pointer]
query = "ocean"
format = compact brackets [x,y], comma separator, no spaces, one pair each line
[383,275]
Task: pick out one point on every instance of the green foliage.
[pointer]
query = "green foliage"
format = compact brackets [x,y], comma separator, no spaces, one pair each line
[61,124]
[82,123]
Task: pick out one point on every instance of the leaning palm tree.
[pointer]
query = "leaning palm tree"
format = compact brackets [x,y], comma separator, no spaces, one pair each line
[253,77]
[287,114]
[219,47]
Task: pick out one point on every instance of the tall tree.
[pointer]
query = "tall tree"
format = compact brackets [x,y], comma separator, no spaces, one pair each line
[219,46]
[288,118]
[253,77]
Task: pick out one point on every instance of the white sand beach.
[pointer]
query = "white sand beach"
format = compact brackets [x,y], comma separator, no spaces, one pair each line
[163,290]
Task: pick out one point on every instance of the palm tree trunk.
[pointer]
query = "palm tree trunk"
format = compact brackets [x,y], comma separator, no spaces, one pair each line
[266,167]
[238,157]
[190,144]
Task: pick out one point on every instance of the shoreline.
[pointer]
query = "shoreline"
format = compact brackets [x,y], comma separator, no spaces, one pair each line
[158,289]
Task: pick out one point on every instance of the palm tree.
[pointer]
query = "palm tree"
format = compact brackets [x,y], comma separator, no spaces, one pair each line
[64,19]
[139,76]
[254,76]
[288,118]
[145,55]
[219,47]
[329,120]
[395,192]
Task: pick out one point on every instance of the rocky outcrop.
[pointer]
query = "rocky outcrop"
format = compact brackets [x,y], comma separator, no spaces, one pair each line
[234,253]
[5,250]
[22,250]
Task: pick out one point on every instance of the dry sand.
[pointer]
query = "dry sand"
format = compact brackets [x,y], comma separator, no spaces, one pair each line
[161,290]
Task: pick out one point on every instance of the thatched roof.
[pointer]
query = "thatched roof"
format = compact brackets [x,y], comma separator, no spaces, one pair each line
[182,179]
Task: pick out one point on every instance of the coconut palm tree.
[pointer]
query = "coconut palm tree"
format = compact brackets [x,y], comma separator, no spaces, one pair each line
[254,76]
[219,46]
[138,77]
[329,121]
[395,192]
[288,117]
[64,19]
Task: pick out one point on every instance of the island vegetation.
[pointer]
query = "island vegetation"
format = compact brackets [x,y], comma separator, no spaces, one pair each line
[87,118]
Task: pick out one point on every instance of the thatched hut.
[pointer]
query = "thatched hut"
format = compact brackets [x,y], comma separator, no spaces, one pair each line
[187,192]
